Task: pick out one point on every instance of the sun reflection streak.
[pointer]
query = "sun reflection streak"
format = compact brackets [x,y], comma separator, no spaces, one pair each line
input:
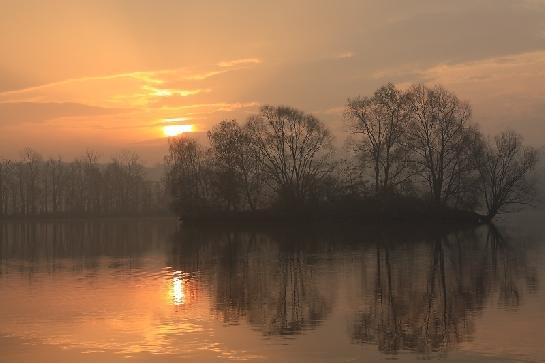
[177,292]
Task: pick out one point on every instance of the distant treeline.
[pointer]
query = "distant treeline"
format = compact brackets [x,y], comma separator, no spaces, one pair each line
[33,186]
[411,150]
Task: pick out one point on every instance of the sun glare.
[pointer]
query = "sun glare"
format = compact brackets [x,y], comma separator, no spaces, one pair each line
[175,130]
[178,293]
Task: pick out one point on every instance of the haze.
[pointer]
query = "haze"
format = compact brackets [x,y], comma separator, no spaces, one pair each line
[109,75]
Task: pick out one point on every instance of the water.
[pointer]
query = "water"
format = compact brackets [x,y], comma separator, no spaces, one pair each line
[152,291]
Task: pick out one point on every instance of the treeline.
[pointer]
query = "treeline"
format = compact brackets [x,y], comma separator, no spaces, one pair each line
[34,186]
[416,149]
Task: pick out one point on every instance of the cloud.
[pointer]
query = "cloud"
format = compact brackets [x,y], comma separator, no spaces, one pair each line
[240,62]
[130,89]
[119,90]
[500,75]
[345,55]
[205,108]
[225,66]
[518,66]
[506,91]
[33,112]
[205,75]
[145,77]
[169,92]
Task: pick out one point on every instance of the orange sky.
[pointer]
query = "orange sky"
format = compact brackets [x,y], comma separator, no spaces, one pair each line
[107,75]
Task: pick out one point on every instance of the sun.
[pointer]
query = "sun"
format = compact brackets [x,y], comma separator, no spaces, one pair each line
[175,130]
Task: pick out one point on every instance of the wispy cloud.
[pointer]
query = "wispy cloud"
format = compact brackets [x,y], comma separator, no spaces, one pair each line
[529,65]
[100,91]
[214,107]
[126,106]
[240,62]
[131,89]
[506,91]
[169,92]
[224,67]
[35,112]
[344,55]
[205,75]
[146,77]
[523,65]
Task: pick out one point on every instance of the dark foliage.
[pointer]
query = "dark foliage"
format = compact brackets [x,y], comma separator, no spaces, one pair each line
[426,160]
[32,187]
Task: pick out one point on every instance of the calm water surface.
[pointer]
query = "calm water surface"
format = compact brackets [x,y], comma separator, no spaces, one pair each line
[153,291]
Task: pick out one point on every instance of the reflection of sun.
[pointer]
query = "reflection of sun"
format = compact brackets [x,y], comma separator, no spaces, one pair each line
[178,294]
[182,289]
[175,130]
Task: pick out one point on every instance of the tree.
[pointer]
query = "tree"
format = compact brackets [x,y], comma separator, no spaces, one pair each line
[294,148]
[188,175]
[28,178]
[442,139]
[382,120]
[238,168]
[92,182]
[31,186]
[55,178]
[505,164]
[125,180]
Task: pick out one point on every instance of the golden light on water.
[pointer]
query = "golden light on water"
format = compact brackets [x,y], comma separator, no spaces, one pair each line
[175,130]
[178,294]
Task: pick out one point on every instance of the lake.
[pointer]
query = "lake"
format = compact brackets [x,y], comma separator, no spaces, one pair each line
[150,290]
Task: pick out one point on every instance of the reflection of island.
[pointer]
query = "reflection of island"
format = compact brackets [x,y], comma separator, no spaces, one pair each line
[429,304]
[79,244]
[278,290]
[418,290]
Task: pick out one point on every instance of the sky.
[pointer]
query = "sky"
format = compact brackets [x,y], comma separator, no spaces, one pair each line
[108,75]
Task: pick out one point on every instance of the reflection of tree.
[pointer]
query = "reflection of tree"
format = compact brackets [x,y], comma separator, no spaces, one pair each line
[292,300]
[82,243]
[508,264]
[430,304]
[273,284]
[421,290]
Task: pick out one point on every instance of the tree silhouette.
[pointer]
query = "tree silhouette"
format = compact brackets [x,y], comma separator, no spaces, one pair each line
[295,149]
[504,168]
[238,169]
[383,120]
[442,139]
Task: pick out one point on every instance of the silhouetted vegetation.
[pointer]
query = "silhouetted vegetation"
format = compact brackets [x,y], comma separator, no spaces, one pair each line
[504,165]
[33,186]
[416,155]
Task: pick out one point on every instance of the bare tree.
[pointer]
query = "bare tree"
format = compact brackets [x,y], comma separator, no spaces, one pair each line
[504,167]
[382,120]
[92,181]
[295,150]
[55,174]
[188,176]
[6,177]
[28,178]
[442,138]
[31,187]
[238,166]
